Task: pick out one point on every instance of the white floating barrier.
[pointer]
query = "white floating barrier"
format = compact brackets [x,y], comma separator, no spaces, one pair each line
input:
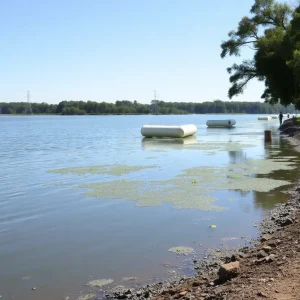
[264,118]
[220,123]
[275,117]
[168,131]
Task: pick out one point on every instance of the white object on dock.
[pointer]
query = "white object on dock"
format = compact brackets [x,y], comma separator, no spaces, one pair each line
[264,118]
[220,123]
[168,131]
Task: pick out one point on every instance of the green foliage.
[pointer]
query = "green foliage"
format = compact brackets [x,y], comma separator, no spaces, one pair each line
[297,121]
[20,108]
[273,32]
[128,107]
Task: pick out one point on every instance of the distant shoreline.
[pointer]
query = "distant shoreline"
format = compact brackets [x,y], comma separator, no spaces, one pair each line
[63,115]
[126,107]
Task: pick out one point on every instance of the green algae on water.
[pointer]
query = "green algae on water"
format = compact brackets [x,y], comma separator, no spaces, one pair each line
[191,143]
[118,289]
[180,192]
[87,297]
[129,278]
[253,184]
[193,188]
[100,282]
[115,170]
[182,250]
[262,166]
[227,239]
[213,146]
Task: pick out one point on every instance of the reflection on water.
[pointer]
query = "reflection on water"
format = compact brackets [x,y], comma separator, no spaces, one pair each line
[267,201]
[237,157]
[167,143]
[57,238]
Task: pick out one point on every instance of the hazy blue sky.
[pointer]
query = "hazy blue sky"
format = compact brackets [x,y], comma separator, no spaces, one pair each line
[108,50]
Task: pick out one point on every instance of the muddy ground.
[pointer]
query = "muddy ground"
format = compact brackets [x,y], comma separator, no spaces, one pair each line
[268,270]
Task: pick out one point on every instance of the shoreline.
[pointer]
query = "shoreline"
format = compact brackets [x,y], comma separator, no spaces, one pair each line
[269,269]
[128,114]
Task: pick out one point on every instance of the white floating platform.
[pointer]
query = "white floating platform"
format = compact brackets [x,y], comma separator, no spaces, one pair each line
[220,123]
[264,118]
[168,131]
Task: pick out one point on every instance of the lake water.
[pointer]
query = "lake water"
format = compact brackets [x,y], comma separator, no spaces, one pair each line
[59,229]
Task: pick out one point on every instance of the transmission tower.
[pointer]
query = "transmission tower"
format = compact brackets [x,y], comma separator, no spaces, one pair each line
[154,103]
[28,108]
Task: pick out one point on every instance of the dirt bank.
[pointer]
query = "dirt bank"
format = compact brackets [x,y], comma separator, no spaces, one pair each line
[269,270]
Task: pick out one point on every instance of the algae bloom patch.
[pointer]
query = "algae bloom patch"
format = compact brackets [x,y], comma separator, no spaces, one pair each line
[100,282]
[180,192]
[193,188]
[115,170]
[87,297]
[182,250]
[262,166]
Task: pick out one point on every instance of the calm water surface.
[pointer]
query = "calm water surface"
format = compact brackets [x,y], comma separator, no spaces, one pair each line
[55,238]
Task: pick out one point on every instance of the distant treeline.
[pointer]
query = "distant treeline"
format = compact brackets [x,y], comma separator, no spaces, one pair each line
[125,107]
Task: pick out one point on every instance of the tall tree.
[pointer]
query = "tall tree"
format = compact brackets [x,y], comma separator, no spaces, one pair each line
[268,32]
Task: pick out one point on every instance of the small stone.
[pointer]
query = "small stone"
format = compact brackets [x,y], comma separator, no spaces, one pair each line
[219,290]
[261,294]
[196,283]
[267,248]
[183,293]
[262,254]
[228,271]
[33,289]
[266,237]
[286,222]
[270,258]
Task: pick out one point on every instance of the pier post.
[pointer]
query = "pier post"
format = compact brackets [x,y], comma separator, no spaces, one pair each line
[268,136]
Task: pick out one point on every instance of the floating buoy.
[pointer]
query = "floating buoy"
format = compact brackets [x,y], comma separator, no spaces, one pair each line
[220,123]
[168,131]
[264,118]
[213,226]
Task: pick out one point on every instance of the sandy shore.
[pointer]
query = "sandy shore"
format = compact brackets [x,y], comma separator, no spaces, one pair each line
[268,270]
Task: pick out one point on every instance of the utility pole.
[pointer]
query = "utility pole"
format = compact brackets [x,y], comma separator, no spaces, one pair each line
[154,103]
[28,108]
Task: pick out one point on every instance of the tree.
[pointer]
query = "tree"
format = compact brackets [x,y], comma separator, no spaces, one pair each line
[273,33]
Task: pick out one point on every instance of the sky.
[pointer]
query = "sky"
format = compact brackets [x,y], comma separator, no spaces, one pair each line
[108,50]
